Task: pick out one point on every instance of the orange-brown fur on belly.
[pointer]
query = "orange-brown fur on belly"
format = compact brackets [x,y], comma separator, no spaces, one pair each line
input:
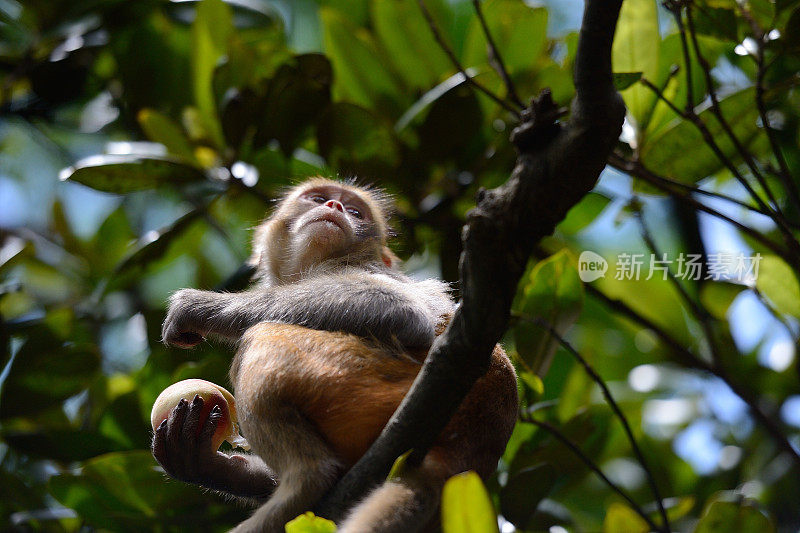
[349,390]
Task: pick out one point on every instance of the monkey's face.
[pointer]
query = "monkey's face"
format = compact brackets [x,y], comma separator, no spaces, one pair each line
[330,220]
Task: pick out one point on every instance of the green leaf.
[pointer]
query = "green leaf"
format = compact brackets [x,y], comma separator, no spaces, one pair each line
[44,372]
[466,507]
[637,43]
[778,283]
[791,33]
[354,140]
[210,31]
[622,519]
[623,80]
[697,160]
[296,96]
[722,517]
[310,523]
[518,30]
[65,445]
[678,507]
[718,296]
[155,245]
[533,385]
[584,213]
[121,174]
[443,139]
[399,466]
[361,75]
[576,393]
[554,293]
[403,32]
[123,491]
[523,492]
[159,128]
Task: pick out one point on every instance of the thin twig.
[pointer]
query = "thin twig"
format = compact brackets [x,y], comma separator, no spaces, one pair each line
[691,360]
[708,137]
[775,214]
[494,56]
[636,169]
[702,316]
[617,411]
[457,64]
[784,174]
[687,62]
[574,448]
[669,183]
[743,152]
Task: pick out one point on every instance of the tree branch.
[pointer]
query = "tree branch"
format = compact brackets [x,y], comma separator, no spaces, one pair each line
[574,448]
[637,170]
[557,165]
[620,415]
[494,56]
[457,64]
[743,152]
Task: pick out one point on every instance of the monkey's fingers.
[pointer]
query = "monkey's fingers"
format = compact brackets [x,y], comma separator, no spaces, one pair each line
[159,446]
[175,422]
[210,426]
[191,424]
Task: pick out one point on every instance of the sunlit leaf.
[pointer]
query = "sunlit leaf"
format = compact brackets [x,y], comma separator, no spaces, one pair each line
[212,26]
[623,80]
[554,293]
[722,517]
[778,283]
[718,296]
[310,523]
[576,393]
[466,507]
[636,49]
[622,519]
[518,30]
[161,129]
[697,159]
[122,174]
[406,37]
[360,71]
[677,508]
[399,466]
[584,213]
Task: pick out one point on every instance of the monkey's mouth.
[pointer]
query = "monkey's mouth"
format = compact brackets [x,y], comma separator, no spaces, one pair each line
[330,218]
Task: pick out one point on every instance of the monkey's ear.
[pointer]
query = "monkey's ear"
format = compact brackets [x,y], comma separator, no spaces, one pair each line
[389,258]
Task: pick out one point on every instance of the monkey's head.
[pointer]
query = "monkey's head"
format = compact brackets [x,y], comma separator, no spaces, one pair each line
[323,221]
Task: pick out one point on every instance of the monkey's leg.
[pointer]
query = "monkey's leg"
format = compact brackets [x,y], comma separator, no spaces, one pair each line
[305,465]
[403,505]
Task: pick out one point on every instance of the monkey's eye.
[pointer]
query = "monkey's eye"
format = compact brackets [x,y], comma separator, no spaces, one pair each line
[317,198]
[355,212]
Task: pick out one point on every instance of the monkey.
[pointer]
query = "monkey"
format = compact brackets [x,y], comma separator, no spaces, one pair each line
[330,339]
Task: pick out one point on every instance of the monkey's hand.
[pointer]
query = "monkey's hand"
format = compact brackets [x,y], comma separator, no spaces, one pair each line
[182,446]
[182,326]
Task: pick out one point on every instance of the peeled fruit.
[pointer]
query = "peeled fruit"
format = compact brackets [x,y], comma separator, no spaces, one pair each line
[212,394]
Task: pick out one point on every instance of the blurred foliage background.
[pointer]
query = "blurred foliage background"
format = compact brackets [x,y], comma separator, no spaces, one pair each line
[172,125]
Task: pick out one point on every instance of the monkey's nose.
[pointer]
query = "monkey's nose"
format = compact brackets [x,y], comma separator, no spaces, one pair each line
[333,204]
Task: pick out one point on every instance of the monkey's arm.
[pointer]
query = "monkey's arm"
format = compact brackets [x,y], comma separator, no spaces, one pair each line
[379,307]
[185,452]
